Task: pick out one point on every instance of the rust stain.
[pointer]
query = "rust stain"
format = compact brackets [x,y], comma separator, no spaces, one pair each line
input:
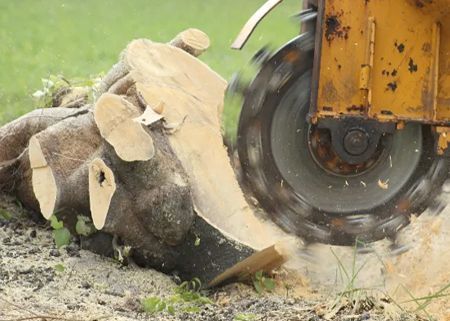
[291,57]
[338,223]
[422,3]
[412,67]
[387,73]
[414,110]
[334,28]
[426,47]
[403,205]
[330,92]
[356,108]
[400,47]
[392,86]
[427,99]
[444,102]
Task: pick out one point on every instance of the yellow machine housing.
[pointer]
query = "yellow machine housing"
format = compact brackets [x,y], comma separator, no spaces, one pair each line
[387,60]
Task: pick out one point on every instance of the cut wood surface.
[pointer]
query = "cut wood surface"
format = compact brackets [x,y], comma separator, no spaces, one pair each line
[193,97]
[146,163]
[115,119]
[193,41]
[102,186]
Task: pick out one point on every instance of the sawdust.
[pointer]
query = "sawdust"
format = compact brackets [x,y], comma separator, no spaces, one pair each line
[420,270]
[424,269]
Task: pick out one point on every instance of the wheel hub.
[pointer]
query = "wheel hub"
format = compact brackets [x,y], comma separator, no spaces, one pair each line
[356,142]
[325,155]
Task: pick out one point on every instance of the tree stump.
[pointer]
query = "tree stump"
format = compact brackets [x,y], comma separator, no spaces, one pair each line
[146,163]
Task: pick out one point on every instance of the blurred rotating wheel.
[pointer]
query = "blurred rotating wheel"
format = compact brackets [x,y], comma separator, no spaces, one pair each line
[307,189]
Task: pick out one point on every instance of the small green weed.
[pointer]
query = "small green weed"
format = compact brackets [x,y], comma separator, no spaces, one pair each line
[244,317]
[121,252]
[54,84]
[197,241]
[84,226]
[59,268]
[187,298]
[44,97]
[263,283]
[61,235]
[154,305]
[5,215]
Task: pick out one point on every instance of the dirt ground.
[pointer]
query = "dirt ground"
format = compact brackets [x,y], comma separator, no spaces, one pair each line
[34,287]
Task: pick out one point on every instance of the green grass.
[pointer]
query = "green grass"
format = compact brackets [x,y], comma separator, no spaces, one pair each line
[80,38]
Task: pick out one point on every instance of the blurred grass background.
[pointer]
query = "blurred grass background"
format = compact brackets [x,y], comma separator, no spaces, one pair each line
[82,38]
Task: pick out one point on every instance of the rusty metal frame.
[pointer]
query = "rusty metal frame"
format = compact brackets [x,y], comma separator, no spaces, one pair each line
[317,55]
[367,34]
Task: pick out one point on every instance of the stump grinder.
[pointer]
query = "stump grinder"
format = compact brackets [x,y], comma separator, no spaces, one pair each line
[344,131]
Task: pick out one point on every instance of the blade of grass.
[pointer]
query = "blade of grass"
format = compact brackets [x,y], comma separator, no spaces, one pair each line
[417,302]
[433,297]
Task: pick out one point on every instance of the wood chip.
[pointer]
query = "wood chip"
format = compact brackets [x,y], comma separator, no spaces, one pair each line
[383,184]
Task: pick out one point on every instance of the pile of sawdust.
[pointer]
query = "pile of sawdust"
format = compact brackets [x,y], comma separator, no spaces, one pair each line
[416,275]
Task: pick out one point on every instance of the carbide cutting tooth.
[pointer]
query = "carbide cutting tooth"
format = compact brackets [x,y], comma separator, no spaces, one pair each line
[397,248]
[236,85]
[364,248]
[307,254]
[446,187]
[437,206]
[305,15]
[261,56]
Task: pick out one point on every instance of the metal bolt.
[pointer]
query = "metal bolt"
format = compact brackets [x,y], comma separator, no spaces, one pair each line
[356,142]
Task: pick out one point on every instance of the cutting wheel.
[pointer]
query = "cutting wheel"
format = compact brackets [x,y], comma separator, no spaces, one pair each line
[291,166]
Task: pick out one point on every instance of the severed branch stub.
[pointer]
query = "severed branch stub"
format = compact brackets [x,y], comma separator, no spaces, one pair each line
[193,41]
[58,160]
[44,184]
[146,163]
[102,187]
[114,117]
[15,170]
